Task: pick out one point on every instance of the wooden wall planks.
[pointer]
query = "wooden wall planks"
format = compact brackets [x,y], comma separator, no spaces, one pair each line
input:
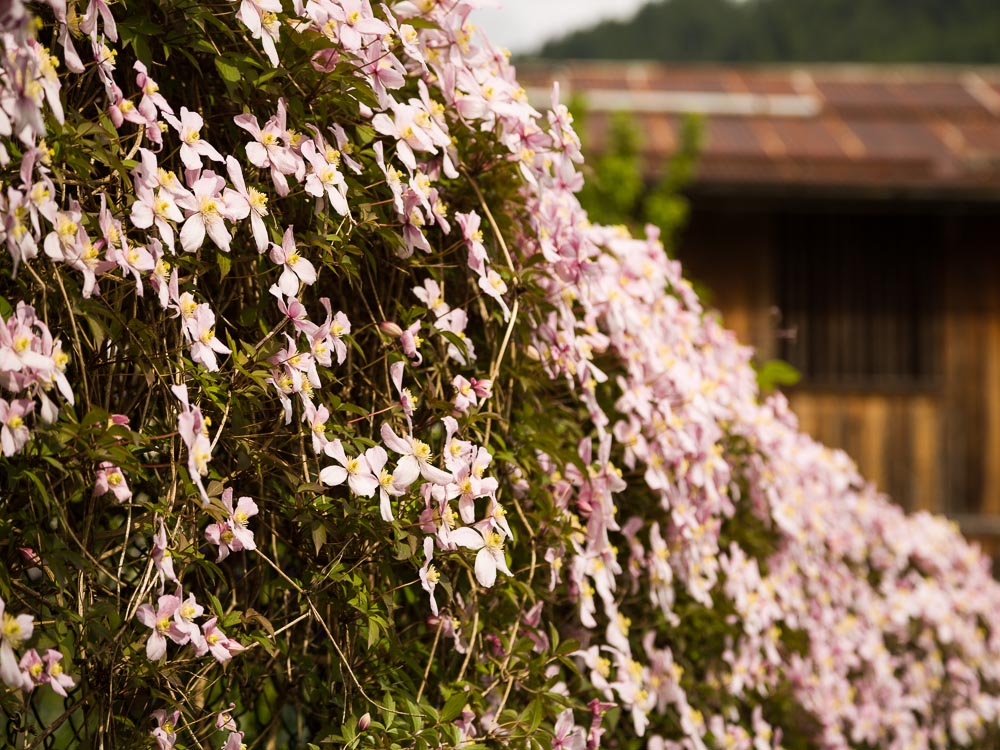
[935,447]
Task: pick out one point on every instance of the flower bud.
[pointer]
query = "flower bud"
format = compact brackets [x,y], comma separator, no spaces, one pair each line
[391,329]
[364,722]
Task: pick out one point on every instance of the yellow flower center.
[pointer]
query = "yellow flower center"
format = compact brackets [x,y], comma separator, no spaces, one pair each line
[165,177]
[603,667]
[39,193]
[66,228]
[187,305]
[209,206]
[421,450]
[258,201]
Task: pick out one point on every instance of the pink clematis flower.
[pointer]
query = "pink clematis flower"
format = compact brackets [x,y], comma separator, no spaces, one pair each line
[156,208]
[325,178]
[165,733]
[14,433]
[412,128]
[416,453]
[491,283]
[207,211]
[152,100]
[188,127]
[110,479]
[199,327]
[357,471]
[53,673]
[432,295]
[184,629]
[473,235]
[489,558]
[219,644]
[88,24]
[429,575]
[232,534]
[329,335]
[255,200]
[260,17]
[568,736]
[390,484]
[163,559]
[194,432]
[160,620]
[14,631]
[267,150]
[294,267]
[465,397]
[411,341]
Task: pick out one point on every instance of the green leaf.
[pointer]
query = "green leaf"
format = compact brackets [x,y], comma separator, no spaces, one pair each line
[225,262]
[228,71]
[453,706]
[775,373]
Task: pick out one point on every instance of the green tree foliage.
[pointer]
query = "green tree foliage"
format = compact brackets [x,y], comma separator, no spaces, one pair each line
[619,191]
[875,31]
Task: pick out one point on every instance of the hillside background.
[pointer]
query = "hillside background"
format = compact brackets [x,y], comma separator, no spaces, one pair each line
[869,31]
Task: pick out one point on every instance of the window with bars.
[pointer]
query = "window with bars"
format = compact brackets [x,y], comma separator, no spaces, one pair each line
[859,296]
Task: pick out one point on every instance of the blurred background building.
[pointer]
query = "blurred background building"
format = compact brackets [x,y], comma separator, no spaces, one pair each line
[845,217]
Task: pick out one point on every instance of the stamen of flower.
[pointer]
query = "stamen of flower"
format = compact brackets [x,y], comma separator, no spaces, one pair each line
[421,450]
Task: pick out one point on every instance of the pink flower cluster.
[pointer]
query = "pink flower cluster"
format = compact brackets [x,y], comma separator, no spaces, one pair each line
[32,362]
[31,669]
[173,619]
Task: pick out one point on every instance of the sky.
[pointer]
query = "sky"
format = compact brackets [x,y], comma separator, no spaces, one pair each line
[522,25]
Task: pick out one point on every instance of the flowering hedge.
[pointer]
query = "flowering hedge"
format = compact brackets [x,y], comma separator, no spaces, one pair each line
[328,419]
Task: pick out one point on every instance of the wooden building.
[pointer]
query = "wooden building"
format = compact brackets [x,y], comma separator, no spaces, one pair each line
[846,219]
